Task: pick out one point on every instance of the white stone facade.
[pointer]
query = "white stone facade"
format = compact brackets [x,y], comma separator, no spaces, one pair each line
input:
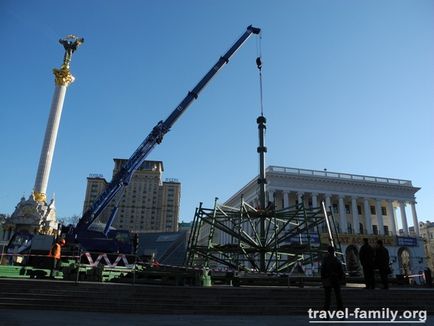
[362,206]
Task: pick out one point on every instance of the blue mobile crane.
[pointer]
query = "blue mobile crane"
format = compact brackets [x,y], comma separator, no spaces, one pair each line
[110,240]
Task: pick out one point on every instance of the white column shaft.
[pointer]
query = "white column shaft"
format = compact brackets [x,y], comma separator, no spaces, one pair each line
[270,195]
[343,226]
[415,221]
[356,220]
[368,222]
[403,218]
[285,199]
[328,208]
[379,217]
[314,200]
[50,140]
[328,202]
[391,216]
[300,197]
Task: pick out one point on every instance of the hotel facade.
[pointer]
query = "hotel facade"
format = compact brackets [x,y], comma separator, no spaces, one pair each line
[148,203]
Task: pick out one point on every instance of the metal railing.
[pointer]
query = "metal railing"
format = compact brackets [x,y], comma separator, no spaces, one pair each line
[337,175]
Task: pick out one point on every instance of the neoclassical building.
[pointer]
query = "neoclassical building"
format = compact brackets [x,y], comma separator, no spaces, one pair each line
[362,206]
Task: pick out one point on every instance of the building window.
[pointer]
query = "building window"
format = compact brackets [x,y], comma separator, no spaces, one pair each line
[383,211]
[361,228]
[373,210]
[386,230]
[375,229]
[359,209]
[347,209]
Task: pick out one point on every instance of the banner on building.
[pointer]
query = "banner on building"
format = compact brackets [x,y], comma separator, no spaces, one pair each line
[357,239]
[406,241]
[303,238]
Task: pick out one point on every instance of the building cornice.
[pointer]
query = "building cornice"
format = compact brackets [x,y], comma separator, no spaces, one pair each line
[290,179]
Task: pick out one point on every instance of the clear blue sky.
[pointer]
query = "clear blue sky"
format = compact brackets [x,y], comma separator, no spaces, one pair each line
[348,86]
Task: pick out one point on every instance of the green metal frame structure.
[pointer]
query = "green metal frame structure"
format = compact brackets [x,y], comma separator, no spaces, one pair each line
[233,238]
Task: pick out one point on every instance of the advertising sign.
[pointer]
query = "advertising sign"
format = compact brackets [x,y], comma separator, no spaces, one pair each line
[406,241]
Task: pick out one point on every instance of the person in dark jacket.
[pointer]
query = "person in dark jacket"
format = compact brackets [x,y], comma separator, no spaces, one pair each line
[366,255]
[382,263]
[332,274]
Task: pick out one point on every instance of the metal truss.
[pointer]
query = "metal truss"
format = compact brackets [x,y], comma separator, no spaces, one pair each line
[249,239]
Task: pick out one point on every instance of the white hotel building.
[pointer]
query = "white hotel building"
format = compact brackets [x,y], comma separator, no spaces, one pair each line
[362,206]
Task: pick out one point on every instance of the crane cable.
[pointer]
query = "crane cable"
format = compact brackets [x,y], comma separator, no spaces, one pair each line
[259,65]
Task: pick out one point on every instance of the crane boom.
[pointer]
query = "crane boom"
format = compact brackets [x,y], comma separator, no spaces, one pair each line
[123,177]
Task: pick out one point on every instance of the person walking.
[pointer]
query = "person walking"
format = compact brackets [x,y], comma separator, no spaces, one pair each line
[332,274]
[55,253]
[366,255]
[382,263]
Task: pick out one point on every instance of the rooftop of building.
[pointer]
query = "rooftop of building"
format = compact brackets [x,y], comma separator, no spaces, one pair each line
[338,175]
[146,165]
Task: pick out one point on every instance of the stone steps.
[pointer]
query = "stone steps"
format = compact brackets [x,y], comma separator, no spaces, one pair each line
[106,297]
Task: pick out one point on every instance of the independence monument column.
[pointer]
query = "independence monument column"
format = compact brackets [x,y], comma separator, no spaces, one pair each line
[63,78]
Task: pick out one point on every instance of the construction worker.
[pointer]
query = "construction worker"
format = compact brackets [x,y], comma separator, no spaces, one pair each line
[55,253]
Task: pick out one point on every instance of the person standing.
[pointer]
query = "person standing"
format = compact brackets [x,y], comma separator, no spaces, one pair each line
[55,253]
[366,255]
[332,274]
[382,263]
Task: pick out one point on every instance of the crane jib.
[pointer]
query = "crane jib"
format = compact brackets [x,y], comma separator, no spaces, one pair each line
[122,178]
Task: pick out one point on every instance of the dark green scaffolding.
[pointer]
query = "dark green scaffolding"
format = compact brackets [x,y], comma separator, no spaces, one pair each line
[232,238]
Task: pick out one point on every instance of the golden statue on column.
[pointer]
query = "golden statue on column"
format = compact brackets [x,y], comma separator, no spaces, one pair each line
[36,215]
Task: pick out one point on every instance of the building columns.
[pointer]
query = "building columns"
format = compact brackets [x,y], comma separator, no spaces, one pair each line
[314,200]
[270,196]
[342,216]
[379,214]
[285,199]
[403,217]
[328,202]
[368,221]
[415,221]
[300,197]
[356,220]
[391,216]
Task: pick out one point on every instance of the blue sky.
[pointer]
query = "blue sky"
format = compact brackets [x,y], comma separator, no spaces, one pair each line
[348,86]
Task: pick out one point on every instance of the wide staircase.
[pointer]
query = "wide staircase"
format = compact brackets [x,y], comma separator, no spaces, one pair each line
[146,299]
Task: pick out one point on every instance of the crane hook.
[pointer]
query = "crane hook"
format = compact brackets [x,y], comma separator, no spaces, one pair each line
[259,62]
